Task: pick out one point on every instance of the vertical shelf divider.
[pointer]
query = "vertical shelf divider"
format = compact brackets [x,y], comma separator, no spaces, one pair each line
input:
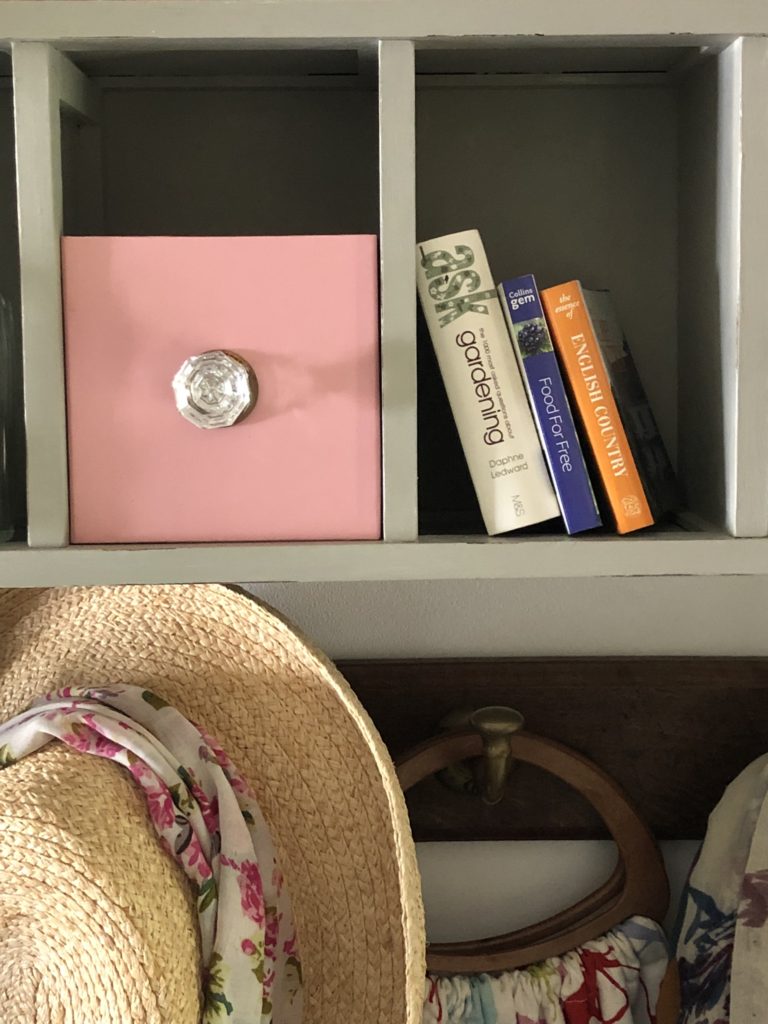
[747,483]
[397,228]
[44,82]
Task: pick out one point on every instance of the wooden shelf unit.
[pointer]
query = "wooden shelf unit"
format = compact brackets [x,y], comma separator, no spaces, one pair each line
[624,146]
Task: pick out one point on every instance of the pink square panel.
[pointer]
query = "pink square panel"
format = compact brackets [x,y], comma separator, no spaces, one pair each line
[303,311]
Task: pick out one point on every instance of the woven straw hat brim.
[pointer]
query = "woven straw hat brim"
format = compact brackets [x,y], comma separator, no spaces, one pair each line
[96,923]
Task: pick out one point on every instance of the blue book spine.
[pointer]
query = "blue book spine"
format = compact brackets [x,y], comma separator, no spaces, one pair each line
[551,411]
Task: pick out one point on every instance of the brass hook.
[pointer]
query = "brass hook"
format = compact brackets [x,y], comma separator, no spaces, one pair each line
[496,726]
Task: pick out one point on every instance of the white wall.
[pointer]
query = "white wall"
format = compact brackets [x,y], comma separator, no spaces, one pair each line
[725,615]
[472,889]
[477,889]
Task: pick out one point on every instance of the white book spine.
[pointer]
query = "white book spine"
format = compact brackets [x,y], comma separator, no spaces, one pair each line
[483,383]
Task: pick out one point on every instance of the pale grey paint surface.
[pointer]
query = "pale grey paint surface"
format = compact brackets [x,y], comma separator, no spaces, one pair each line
[37,94]
[705,213]
[45,83]
[649,555]
[722,258]
[494,618]
[150,21]
[77,94]
[397,240]
[749,516]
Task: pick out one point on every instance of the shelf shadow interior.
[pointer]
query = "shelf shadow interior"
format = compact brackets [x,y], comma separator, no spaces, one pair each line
[12,442]
[230,143]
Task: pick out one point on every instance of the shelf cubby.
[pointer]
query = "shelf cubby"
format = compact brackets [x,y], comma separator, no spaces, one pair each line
[617,166]
[224,142]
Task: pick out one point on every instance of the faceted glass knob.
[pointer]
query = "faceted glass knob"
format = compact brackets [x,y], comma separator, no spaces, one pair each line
[215,389]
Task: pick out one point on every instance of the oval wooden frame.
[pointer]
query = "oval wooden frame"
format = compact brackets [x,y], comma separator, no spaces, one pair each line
[638,884]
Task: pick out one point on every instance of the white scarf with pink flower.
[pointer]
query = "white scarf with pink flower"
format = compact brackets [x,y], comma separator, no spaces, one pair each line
[722,944]
[210,824]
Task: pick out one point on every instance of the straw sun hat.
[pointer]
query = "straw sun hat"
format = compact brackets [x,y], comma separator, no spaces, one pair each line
[97,924]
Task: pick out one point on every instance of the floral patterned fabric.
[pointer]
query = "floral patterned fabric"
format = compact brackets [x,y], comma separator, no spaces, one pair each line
[722,944]
[209,823]
[614,980]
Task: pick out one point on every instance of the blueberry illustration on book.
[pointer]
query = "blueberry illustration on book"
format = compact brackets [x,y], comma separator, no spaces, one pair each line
[533,338]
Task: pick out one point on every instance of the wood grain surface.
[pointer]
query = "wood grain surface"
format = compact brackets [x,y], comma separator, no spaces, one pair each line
[671,731]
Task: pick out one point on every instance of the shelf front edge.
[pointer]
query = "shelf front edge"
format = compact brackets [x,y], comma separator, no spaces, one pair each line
[337,21]
[668,555]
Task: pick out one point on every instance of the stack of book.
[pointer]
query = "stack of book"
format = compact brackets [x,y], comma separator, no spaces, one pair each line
[515,363]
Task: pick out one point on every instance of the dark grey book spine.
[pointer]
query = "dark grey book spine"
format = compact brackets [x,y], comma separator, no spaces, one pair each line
[647,445]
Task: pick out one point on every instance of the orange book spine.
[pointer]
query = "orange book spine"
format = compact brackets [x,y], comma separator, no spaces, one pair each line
[583,366]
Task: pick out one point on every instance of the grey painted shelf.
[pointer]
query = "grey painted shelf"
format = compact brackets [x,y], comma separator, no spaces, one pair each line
[622,143]
[443,558]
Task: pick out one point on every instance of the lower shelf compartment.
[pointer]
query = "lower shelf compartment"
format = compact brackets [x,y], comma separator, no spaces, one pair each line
[673,553]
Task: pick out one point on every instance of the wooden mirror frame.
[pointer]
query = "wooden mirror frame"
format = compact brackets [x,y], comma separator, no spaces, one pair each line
[638,884]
